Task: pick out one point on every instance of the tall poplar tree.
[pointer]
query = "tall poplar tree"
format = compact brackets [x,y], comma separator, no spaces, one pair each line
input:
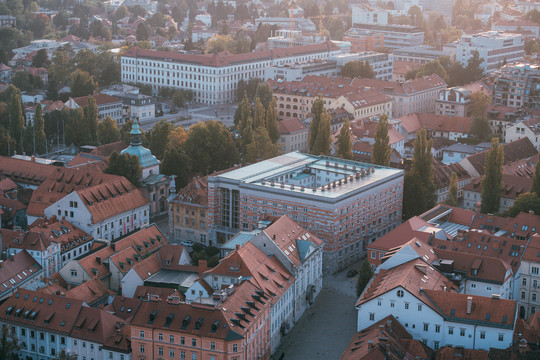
[452,190]
[536,178]
[492,182]
[344,141]
[272,121]
[242,111]
[382,150]
[419,188]
[259,115]
[324,139]
[317,110]
[39,130]
[92,118]
[16,117]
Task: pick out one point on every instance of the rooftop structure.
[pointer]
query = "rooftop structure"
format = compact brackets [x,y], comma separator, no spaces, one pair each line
[321,193]
[395,36]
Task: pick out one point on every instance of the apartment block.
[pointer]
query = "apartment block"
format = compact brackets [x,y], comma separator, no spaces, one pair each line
[517,85]
[528,283]
[346,204]
[395,36]
[364,13]
[494,47]
[381,63]
[212,78]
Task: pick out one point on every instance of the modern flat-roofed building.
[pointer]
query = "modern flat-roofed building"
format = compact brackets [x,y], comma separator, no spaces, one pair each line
[420,54]
[395,36]
[494,47]
[381,63]
[347,204]
[212,78]
[516,86]
[364,13]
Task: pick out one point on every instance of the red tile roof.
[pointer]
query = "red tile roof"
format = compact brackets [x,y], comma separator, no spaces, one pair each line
[61,182]
[19,268]
[291,125]
[442,173]
[513,186]
[101,99]
[91,292]
[123,307]
[111,198]
[414,276]
[146,241]
[532,253]
[61,231]
[26,172]
[153,293]
[40,311]
[225,58]
[94,264]
[451,353]
[433,122]
[401,235]
[486,311]
[148,266]
[196,192]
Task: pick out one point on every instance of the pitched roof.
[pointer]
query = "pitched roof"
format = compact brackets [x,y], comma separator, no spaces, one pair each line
[513,186]
[451,353]
[148,266]
[10,206]
[515,150]
[532,252]
[17,269]
[146,240]
[91,292]
[225,58]
[60,231]
[101,99]
[386,339]
[292,239]
[491,312]
[99,326]
[111,198]
[123,307]
[40,311]
[26,172]
[94,264]
[433,122]
[291,125]
[443,172]
[155,293]
[196,192]
[414,276]
[61,182]
[402,234]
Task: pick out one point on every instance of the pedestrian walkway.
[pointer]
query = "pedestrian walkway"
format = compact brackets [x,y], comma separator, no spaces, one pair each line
[324,330]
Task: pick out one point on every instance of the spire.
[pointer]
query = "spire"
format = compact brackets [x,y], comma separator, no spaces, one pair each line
[135,134]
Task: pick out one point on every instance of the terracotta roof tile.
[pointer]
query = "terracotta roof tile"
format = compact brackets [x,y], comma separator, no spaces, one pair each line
[291,125]
[22,171]
[513,186]
[101,99]
[19,268]
[153,292]
[92,292]
[433,122]
[123,307]
[196,192]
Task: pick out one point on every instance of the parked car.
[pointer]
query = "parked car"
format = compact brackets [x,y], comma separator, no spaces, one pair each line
[187,243]
[352,273]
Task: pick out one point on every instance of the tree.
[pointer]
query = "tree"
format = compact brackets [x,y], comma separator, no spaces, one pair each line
[142,32]
[159,138]
[74,126]
[344,141]
[125,165]
[492,183]
[524,203]
[261,147]
[358,68]
[179,99]
[16,117]
[41,59]
[8,344]
[324,133]
[474,67]
[7,143]
[243,111]
[536,179]
[107,131]
[382,150]
[176,162]
[91,117]
[264,93]
[82,83]
[66,356]
[39,131]
[220,43]
[177,138]
[316,111]
[259,114]
[210,147]
[453,190]
[480,127]
[364,277]
[419,187]
[416,15]
[271,121]
[478,105]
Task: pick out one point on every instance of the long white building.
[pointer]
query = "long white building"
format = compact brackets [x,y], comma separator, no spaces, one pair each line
[213,78]
[494,48]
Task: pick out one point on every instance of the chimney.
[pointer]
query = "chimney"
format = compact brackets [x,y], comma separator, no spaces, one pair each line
[469,305]
[237,247]
[203,266]
[32,158]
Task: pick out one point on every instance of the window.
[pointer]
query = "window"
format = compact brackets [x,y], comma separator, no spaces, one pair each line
[406,306]
[437,328]
[141,349]
[419,307]
[74,273]
[501,337]
[171,338]
[212,345]
[41,336]
[392,303]
[141,334]
[182,340]
[379,302]
[193,342]
[435,345]
[182,354]
[534,270]
[160,337]
[373,255]
[372,316]
[426,327]
[462,332]
[482,334]
[523,294]
[171,353]
[160,351]
[400,293]
[451,330]
[533,297]
[473,285]
[193,356]
[235,347]
[524,282]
